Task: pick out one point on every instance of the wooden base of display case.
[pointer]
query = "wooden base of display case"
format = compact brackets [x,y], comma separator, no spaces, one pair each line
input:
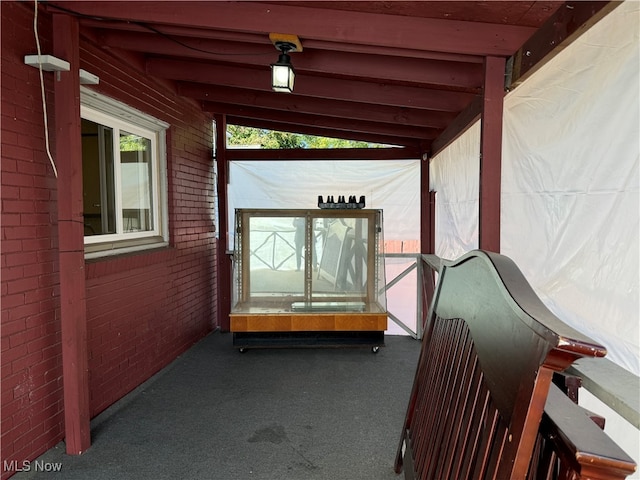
[302,322]
[308,330]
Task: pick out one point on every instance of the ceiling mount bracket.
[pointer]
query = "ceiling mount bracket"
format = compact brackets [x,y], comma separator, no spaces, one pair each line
[285,47]
[286,38]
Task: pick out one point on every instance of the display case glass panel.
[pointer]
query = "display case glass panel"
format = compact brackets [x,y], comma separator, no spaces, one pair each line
[308,261]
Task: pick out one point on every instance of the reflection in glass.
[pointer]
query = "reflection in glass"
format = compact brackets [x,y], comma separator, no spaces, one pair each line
[97,177]
[276,255]
[343,257]
[135,170]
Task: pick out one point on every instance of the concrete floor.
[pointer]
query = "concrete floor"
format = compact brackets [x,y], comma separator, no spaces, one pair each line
[278,414]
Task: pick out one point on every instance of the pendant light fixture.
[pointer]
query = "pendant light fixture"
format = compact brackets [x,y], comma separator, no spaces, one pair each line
[283,74]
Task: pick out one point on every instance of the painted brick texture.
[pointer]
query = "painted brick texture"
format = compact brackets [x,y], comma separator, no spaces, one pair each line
[31,364]
[142,310]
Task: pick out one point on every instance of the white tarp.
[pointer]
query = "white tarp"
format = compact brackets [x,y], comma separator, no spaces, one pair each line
[570,162]
[390,185]
[570,203]
[454,177]
[570,208]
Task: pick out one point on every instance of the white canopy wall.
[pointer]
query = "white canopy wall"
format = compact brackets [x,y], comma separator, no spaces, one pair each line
[390,185]
[570,188]
[570,182]
[454,176]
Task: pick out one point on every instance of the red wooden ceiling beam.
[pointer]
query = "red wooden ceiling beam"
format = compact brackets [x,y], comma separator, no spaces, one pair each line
[261,38]
[460,124]
[453,75]
[404,153]
[313,86]
[301,104]
[334,123]
[569,22]
[394,31]
[326,132]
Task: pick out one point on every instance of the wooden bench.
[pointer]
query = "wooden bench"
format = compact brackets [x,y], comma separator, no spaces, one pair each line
[484,373]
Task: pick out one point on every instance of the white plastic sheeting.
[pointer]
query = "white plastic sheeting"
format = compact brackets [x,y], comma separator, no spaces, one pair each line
[570,195]
[570,203]
[390,185]
[453,175]
[570,210]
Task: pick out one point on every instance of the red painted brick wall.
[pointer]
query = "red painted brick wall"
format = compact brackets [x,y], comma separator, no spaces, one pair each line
[31,373]
[142,310]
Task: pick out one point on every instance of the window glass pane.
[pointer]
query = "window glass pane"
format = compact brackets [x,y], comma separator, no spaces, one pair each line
[342,249]
[135,171]
[276,263]
[97,175]
[108,182]
[290,261]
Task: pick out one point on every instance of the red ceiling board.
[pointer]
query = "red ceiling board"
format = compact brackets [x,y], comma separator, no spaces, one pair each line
[450,75]
[526,13]
[322,121]
[539,13]
[453,75]
[152,42]
[373,64]
[382,94]
[259,79]
[330,108]
[175,30]
[262,39]
[323,24]
[217,74]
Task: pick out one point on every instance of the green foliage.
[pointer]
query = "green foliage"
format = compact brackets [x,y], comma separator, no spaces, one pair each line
[269,139]
[133,143]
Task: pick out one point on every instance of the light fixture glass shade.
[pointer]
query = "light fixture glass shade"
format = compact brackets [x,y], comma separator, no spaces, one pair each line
[282,75]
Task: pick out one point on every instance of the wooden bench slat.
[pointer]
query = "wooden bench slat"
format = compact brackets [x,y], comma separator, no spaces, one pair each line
[472,400]
[462,388]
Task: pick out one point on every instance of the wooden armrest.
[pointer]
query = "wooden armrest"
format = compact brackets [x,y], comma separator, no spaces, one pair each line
[580,443]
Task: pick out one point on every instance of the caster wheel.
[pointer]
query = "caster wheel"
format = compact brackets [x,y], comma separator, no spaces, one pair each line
[375,349]
[242,350]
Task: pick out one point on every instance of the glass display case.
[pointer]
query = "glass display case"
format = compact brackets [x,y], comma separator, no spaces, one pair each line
[308,278]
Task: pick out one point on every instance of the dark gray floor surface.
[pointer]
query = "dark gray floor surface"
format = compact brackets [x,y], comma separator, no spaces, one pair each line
[272,414]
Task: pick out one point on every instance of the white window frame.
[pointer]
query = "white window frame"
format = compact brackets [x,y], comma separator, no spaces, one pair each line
[118,116]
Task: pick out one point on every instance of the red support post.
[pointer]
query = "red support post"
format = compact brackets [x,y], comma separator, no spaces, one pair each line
[491,154]
[427,235]
[68,155]
[223,279]
[427,213]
